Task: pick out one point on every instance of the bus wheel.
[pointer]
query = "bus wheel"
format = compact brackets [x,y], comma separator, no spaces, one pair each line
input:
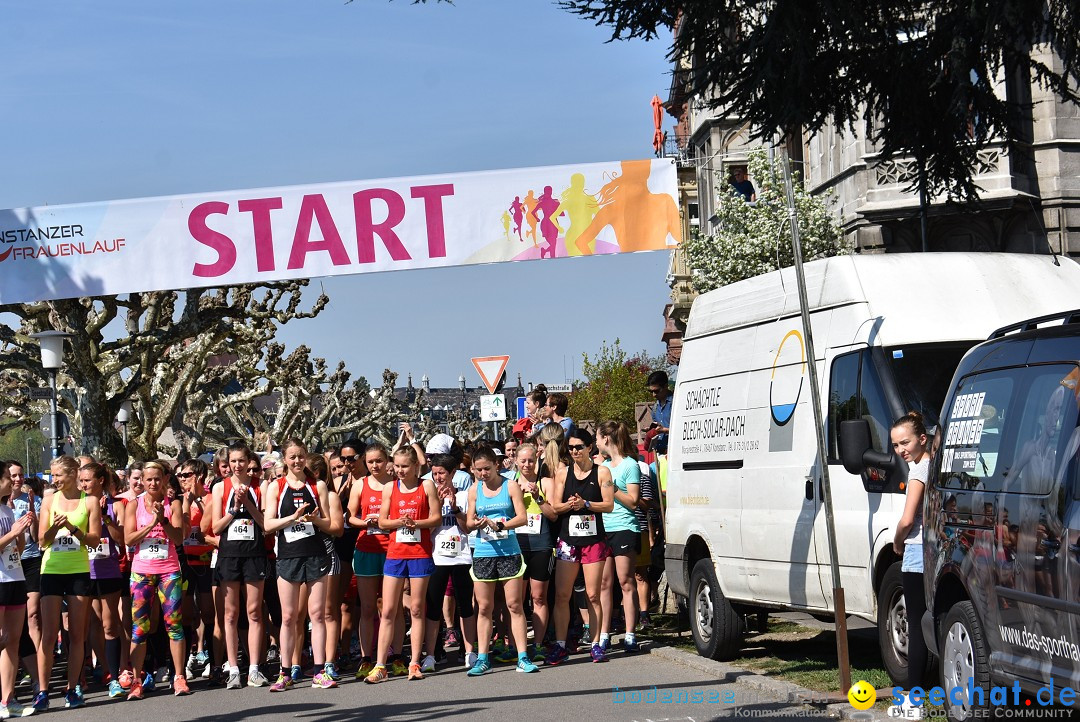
[964,657]
[893,624]
[713,621]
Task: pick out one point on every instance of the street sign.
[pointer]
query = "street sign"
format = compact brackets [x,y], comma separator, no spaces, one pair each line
[493,408]
[491,369]
[559,388]
[37,394]
[45,426]
[520,407]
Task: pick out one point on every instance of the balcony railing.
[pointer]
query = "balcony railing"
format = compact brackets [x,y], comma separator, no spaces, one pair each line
[677,146]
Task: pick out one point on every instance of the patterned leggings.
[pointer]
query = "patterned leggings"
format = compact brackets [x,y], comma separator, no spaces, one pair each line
[171,593]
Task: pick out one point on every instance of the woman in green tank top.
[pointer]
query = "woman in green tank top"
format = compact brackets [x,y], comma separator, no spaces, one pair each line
[70,523]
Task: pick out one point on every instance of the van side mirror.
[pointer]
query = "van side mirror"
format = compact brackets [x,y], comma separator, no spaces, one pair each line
[856,451]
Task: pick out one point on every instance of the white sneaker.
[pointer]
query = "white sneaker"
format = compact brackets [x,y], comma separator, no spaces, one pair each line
[161,676]
[428,665]
[470,659]
[234,680]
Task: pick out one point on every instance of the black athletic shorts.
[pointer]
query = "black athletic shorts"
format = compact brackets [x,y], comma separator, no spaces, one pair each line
[31,569]
[497,569]
[242,569]
[101,588]
[538,564]
[200,579]
[62,585]
[624,543]
[12,594]
[304,569]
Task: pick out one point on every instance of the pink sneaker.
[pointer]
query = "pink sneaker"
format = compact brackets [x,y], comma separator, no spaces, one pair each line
[323,681]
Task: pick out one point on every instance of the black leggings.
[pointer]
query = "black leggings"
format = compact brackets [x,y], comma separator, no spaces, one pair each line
[463,591]
[915,599]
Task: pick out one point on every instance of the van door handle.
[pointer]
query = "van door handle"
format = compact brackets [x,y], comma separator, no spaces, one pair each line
[809,488]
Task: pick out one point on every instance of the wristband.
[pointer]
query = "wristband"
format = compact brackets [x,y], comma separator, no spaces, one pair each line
[587,504]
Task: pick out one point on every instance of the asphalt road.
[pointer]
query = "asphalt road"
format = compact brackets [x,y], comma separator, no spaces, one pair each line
[576,690]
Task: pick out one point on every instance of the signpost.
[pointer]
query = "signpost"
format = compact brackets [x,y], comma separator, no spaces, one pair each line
[37,394]
[491,369]
[559,388]
[493,407]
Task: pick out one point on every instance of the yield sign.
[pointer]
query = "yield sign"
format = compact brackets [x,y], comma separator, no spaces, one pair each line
[491,369]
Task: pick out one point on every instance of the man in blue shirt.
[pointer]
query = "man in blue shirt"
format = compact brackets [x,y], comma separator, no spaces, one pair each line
[661,413]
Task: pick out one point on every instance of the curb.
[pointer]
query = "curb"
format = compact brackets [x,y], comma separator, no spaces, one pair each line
[778,688]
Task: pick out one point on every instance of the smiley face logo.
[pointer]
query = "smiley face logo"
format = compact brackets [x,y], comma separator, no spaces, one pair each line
[862,695]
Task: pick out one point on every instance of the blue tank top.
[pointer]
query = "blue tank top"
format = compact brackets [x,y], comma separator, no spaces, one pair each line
[498,508]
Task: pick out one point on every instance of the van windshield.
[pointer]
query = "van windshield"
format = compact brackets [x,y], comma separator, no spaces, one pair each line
[923,374]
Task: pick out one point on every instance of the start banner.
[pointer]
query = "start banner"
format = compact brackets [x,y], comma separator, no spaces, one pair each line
[332,229]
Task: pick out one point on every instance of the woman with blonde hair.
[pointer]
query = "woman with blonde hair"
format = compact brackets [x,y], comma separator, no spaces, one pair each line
[69,525]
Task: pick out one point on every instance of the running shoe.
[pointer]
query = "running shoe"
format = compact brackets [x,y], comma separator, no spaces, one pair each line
[180,687]
[189,667]
[536,654]
[414,672]
[428,665]
[234,680]
[323,681]
[598,654]
[631,647]
[482,666]
[451,638]
[41,701]
[296,673]
[257,679]
[217,676]
[524,665]
[115,690]
[331,671]
[377,674]
[126,678]
[14,710]
[470,660]
[162,675]
[644,621]
[148,683]
[136,692]
[505,655]
[283,683]
[557,655]
[366,665]
[397,667]
[605,645]
[273,656]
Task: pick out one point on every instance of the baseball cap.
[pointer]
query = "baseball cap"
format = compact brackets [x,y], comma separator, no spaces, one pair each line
[439,444]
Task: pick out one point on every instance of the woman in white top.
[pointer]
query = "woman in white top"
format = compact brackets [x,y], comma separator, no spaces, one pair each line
[12,596]
[910,441]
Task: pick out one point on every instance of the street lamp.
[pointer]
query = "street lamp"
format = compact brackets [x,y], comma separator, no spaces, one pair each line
[123,416]
[52,358]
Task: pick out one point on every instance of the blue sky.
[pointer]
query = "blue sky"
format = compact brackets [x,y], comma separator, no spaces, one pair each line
[129,99]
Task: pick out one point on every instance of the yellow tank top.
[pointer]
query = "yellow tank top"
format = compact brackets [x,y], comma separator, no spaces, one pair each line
[66,555]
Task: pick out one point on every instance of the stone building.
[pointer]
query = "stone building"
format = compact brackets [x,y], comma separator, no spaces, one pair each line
[1030,201]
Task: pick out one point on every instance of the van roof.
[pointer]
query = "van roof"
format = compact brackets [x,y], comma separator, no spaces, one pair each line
[920,297]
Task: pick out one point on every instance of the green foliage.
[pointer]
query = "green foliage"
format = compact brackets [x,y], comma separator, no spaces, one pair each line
[925,78]
[614,382]
[13,445]
[755,238]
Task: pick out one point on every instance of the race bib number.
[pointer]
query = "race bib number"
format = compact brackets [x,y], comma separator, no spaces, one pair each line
[494,534]
[101,551]
[192,539]
[533,526]
[299,530]
[582,524]
[242,530]
[11,558]
[450,546]
[405,535]
[374,529]
[153,550]
[64,542]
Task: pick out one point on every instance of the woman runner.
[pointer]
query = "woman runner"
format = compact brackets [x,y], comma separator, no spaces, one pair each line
[623,530]
[580,494]
[496,509]
[536,539]
[154,526]
[69,524]
[410,510]
[12,597]
[299,513]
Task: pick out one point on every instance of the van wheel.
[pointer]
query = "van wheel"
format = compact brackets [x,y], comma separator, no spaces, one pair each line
[713,621]
[964,656]
[892,624]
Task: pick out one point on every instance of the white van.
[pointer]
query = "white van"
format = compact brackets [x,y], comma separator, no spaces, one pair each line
[745,514]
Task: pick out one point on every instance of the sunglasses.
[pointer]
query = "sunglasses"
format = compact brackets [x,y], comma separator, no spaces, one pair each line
[349,459]
[576,447]
[185,474]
